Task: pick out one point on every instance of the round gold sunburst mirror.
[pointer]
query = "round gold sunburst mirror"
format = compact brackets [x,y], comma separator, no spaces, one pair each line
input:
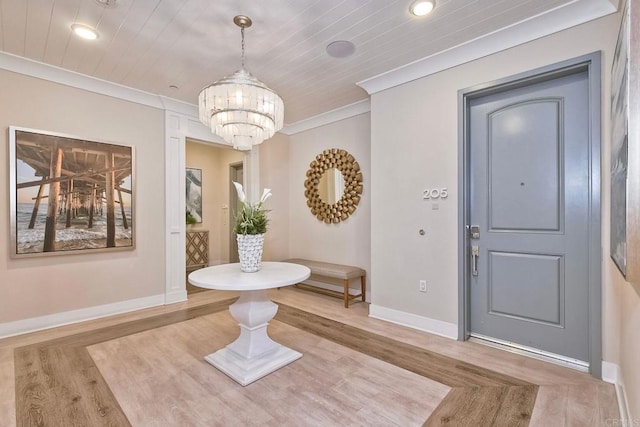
[333,186]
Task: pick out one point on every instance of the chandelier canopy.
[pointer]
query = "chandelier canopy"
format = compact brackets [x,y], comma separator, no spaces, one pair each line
[240,108]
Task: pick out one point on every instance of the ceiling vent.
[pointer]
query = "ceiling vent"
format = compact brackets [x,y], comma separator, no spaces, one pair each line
[341,49]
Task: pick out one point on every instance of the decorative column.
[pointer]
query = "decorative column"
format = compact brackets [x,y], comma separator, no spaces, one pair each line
[69,203]
[36,205]
[54,194]
[110,190]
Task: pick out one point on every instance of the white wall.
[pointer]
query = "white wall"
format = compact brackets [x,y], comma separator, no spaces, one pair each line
[630,343]
[347,242]
[45,285]
[275,174]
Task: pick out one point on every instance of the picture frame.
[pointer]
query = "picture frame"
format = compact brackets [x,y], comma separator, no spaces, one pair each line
[625,149]
[193,184]
[619,144]
[69,195]
[633,180]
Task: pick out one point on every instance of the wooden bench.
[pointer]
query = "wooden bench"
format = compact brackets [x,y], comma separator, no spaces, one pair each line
[321,271]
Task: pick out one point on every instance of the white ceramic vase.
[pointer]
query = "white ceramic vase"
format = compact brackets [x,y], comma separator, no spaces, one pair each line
[250,251]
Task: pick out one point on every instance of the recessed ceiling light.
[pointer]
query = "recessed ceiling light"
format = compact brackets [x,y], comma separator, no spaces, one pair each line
[422,7]
[341,49]
[84,31]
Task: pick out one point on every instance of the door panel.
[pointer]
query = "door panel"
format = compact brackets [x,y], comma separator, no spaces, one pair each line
[529,186]
[542,273]
[524,152]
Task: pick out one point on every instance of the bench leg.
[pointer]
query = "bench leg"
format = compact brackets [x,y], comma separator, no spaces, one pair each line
[346,293]
[363,287]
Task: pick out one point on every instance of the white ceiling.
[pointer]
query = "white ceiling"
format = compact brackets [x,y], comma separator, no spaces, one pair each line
[152,44]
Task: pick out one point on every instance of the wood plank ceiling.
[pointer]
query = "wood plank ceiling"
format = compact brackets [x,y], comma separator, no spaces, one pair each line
[153,44]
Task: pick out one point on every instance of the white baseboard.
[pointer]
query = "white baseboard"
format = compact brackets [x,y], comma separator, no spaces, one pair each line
[425,324]
[611,373]
[34,324]
[175,296]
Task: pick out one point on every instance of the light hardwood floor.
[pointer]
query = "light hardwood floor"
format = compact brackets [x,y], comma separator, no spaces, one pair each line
[151,365]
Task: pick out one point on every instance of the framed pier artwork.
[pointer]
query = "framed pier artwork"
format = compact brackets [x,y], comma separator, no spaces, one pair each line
[69,195]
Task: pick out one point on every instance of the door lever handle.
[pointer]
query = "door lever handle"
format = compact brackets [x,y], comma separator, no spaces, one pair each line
[475,253]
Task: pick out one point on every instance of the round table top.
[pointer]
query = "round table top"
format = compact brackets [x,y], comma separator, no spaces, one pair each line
[229,277]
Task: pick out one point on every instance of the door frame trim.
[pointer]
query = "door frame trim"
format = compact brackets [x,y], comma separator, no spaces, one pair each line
[590,63]
[233,195]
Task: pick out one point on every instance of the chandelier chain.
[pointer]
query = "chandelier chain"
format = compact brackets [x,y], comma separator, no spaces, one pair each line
[242,33]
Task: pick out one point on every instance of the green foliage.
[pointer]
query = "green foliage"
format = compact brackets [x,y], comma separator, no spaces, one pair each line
[190,218]
[252,219]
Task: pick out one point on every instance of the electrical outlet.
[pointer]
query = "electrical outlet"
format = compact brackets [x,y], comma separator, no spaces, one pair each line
[423,286]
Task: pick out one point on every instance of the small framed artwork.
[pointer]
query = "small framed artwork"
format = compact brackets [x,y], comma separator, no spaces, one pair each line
[69,194]
[194,195]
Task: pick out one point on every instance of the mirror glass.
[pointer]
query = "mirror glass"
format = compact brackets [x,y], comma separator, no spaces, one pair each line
[331,186]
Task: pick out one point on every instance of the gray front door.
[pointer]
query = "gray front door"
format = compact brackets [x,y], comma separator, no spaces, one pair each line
[529,196]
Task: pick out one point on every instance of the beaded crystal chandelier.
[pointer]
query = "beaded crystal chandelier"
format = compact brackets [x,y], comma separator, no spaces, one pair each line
[240,108]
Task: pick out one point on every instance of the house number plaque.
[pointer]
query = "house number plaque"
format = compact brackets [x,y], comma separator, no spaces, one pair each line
[435,193]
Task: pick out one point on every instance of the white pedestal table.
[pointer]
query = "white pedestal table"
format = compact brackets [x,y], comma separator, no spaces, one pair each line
[254,354]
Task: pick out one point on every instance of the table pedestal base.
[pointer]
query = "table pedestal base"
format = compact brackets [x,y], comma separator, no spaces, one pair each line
[253,355]
[245,371]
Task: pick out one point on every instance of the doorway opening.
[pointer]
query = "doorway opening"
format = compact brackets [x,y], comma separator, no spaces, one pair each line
[208,239]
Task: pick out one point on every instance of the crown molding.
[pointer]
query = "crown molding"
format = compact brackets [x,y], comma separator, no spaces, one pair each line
[175,105]
[40,70]
[560,18]
[31,68]
[331,116]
